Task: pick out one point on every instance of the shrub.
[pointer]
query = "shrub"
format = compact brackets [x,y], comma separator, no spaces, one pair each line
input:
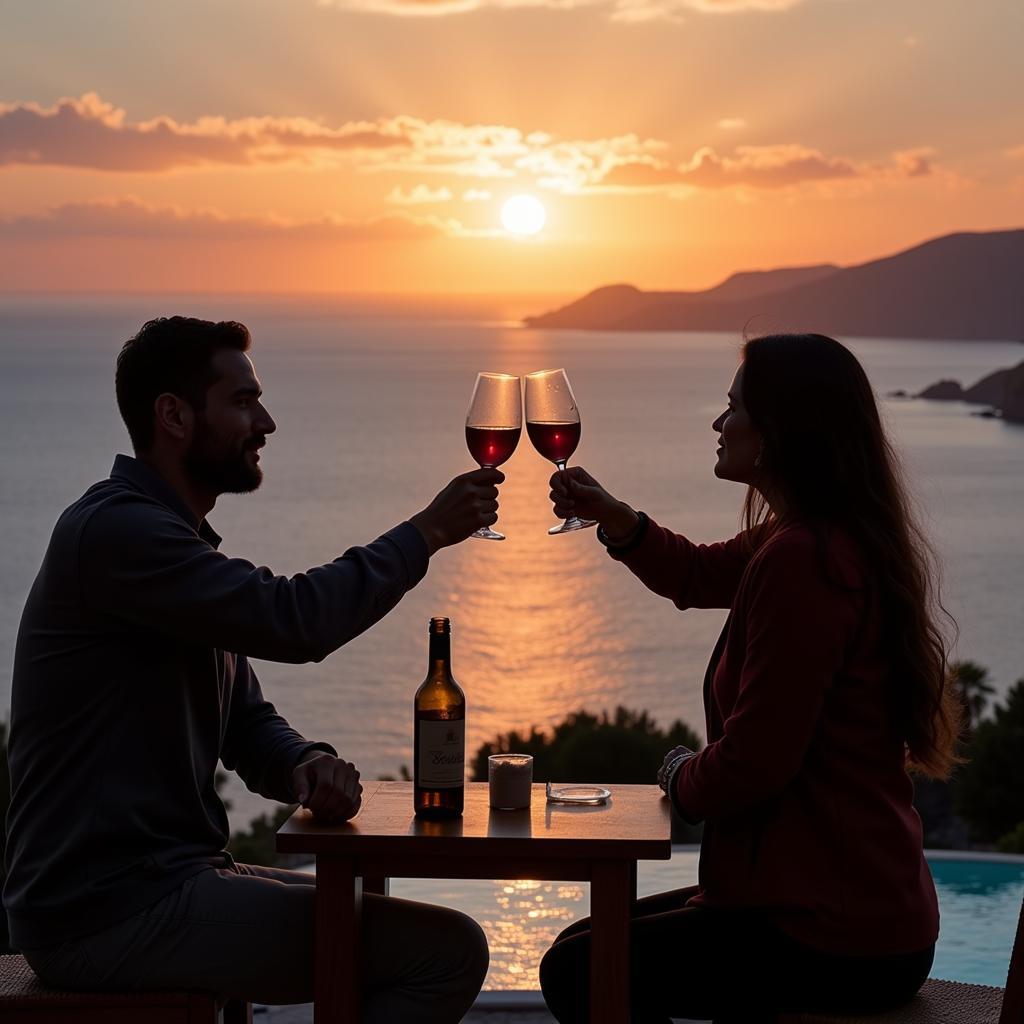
[625,748]
[990,787]
[1012,842]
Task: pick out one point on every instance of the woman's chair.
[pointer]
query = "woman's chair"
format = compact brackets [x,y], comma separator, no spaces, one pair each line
[949,1002]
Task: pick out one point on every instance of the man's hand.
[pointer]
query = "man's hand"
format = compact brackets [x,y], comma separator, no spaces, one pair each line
[575,492]
[467,503]
[328,786]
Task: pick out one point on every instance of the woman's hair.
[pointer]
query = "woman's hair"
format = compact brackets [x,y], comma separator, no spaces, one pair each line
[826,452]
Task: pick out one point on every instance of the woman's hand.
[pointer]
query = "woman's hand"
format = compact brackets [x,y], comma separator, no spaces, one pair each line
[575,492]
[675,756]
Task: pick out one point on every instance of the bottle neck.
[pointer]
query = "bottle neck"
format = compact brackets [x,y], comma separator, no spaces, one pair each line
[440,658]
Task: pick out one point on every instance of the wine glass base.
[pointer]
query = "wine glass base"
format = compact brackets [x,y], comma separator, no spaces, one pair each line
[485,533]
[571,525]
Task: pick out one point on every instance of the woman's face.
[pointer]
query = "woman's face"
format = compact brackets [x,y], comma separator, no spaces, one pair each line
[739,442]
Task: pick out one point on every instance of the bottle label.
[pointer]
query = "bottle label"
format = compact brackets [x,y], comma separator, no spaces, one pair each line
[442,754]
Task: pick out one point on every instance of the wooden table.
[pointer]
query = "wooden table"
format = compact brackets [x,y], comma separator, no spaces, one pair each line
[600,845]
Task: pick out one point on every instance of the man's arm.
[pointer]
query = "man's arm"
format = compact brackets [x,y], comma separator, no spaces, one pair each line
[259,744]
[143,565]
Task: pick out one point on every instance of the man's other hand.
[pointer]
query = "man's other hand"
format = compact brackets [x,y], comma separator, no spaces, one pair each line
[467,503]
[329,787]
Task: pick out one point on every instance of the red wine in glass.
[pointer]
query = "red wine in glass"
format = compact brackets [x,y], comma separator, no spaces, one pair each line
[555,441]
[491,446]
[493,425]
[553,424]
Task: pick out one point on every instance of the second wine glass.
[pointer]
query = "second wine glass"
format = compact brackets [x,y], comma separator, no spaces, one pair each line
[553,423]
[493,425]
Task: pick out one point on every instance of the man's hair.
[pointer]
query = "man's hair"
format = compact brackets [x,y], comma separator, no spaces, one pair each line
[170,355]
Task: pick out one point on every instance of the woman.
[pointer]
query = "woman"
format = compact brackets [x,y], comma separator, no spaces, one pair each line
[826,685]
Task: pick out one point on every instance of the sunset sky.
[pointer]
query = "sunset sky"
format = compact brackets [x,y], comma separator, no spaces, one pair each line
[363,146]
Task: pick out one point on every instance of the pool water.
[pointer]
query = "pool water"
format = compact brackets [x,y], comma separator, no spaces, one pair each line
[979,901]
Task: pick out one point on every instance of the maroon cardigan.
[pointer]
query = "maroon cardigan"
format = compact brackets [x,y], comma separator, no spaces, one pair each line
[802,785]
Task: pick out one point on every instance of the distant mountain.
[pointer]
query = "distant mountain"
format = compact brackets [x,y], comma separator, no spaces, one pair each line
[752,284]
[968,285]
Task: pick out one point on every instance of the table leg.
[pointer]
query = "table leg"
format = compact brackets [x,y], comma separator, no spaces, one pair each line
[379,885]
[336,975]
[612,892]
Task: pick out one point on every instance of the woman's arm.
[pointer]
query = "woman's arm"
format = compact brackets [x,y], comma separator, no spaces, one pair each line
[690,575]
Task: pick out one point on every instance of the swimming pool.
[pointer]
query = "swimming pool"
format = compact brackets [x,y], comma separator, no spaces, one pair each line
[979,900]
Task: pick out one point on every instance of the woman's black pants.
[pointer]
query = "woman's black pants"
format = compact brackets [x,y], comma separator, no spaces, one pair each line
[727,966]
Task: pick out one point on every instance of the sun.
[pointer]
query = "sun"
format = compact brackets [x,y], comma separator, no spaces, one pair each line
[523,215]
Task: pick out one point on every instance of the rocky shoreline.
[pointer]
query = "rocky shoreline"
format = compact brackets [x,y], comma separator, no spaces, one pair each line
[1002,392]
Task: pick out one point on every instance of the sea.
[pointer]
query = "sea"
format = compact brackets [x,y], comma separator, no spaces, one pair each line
[370,402]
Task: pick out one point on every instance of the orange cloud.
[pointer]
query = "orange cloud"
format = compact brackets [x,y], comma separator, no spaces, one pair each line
[130,217]
[419,194]
[89,132]
[620,10]
[761,167]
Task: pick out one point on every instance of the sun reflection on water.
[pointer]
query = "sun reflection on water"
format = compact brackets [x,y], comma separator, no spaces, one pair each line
[535,636]
[527,917]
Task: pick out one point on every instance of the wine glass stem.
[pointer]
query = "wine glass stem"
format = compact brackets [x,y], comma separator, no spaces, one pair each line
[560,463]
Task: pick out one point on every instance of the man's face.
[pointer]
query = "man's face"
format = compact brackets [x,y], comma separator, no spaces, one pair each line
[223,454]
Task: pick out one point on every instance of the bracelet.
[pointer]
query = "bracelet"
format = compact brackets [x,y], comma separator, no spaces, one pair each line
[620,547]
[667,773]
[673,768]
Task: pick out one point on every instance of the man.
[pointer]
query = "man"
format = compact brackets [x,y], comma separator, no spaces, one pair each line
[131,681]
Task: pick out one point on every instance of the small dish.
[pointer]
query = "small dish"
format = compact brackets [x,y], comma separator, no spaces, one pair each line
[590,795]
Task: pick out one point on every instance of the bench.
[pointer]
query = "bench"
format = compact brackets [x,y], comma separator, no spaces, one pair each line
[25,1000]
[947,1002]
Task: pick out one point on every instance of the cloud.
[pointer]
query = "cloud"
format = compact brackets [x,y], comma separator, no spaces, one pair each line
[130,217]
[619,10]
[760,167]
[476,195]
[732,124]
[736,6]
[914,163]
[89,132]
[419,194]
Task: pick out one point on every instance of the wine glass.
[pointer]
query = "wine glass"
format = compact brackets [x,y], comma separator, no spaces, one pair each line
[493,425]
[553,423]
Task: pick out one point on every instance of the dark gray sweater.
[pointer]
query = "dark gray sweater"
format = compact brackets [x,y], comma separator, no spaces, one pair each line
[131,680]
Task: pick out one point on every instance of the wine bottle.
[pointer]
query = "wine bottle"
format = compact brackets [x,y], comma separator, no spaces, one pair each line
[439,757]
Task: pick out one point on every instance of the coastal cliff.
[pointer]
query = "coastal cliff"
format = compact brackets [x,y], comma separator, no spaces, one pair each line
[1002,390]
[963,286]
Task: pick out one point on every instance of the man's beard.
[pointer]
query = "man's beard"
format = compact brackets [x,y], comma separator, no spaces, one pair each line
[222,471]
